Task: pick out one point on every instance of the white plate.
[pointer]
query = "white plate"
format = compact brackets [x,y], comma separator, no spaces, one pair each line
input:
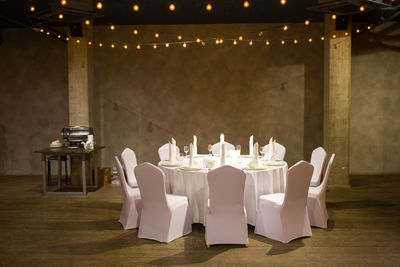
[189,169]
[56,146]
[255,169]
[279,163]
[170,165]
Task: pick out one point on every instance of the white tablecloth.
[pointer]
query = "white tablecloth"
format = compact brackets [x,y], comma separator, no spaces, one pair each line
[193,184]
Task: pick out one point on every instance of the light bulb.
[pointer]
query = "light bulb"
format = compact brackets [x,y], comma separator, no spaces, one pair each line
[362,8]
[89,43]
[310,39]
[167,45]
[234,42]
[135,7]
[217,41]
[307,22]
[41,30]
[99,5]
[87,22]
[67,38]
[285,28]
[172,7]
[156,35]
[100,44]
[322,38]
[295,41]
[369,27]
[198,40]
[221,41]
[60,16]
[240,38]
[346,33]
[251,43]
[63,2]
[283,42]
[333,16]
[47,33]
[184,45]
[246,4]
[208,7]
[78,41]
[357,31]
[283,2]
[125,46]
[334,36]
[154,46]
[179,37]
[112,27]
[32,8]
[267,43]
[58,36]
[135,32]
[138,47]
[112,45]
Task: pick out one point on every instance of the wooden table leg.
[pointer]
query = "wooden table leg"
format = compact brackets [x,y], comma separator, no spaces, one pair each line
[95,170]
[44,161]
[84,174]
[59,171]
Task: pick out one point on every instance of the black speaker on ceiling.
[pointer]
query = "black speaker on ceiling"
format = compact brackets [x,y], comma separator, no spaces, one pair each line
[76,29]
[342,23]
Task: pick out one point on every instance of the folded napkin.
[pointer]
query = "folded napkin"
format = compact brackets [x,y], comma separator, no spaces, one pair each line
[194,145]
[191,165]
[223,154]
[172,152]
[271,156]
[251,153]
[253,164]
[221,141]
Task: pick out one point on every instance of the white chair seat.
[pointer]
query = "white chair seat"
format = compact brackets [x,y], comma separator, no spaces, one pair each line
[313,191]
[174,201]
[276,199]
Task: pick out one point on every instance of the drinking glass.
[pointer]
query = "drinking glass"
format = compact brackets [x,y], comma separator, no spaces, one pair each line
[209,149]
[238,147]
[261,152]
[186,149]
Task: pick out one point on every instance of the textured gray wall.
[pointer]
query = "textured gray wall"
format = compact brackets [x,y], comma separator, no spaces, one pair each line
[33,98]
[375,103]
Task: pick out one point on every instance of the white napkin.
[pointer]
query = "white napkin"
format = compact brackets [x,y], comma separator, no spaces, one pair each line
[191,155]
[272,149]
[221,141]
[222,154]
[194,145]
[251,153]
[253,164]
[171,158]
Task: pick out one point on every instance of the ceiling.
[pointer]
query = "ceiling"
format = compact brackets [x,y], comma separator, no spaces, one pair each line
[120,12]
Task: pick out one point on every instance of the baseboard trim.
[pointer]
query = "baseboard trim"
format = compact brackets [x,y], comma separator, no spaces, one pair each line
[374,173]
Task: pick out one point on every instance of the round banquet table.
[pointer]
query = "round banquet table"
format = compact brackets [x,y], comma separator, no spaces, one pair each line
[193,183]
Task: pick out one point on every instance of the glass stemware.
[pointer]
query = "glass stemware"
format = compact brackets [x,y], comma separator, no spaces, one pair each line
[209,149]
[186,150]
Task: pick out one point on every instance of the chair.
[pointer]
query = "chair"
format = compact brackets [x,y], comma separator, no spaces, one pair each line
[318,157]
[164,217]
[129,160]
[316,205]
[284,216]
[280,151]
[226,220]
[132,206]
[163,152]
[216,148]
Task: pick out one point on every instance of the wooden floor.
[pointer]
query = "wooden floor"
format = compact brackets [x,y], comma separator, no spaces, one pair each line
[364,230]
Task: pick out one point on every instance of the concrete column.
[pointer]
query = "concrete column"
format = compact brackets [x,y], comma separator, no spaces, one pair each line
[80,90]
[337,84]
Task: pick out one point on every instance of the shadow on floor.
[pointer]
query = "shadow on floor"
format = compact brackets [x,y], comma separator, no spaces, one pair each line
[279,248]
[84,225]
[98,204]
[358,204]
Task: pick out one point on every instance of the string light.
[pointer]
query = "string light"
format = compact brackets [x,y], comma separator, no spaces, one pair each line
[267,43]
[135,32]
[89,43]
[78,41]
[283,42]
[307,22]
[99,5]
[285,27]
[221,41]
[208,7]
[126,46]
[156,35]
[135,7]
[87,22]
[198,40]
[322,38]
[63,2]
[334,36]
[60,16]
[346,33]
[260,34]
[172,7]
[47,33]
[295,41]
[217,41]
[32,9]
[58,36]
[333,16]
[138,47]
[283,2]
[251,43]
[112,45]
[112,27]
[41,30]
[362,8]
[240,38]
[154,46]
[369,27]
[246,4]
[184,45]
[100,44]
[310,39]
[357,31]
[67,38]
[167,45]
[234,42]
[179,37]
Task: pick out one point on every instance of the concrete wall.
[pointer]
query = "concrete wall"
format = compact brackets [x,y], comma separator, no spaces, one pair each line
[375,103]
[147,96]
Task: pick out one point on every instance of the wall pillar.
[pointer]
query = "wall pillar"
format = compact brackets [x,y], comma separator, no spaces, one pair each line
[337,85]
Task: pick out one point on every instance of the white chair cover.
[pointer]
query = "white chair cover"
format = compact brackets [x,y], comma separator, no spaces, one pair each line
[216,148]
[316,205]
[284,217]
[163,152]
[132,206]
[164,217]
[280,151]
[318,157]
[129,160]
[226,220]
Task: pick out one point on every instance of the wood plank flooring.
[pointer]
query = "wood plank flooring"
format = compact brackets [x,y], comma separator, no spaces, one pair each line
[364,230]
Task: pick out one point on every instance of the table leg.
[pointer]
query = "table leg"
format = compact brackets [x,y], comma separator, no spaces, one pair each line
[44,161]
[84,174]
[59,171]
[95,170]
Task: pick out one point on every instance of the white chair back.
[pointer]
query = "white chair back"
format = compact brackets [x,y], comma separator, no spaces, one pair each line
[129,160]
[318,157]
[122,178]
[324,183]
[298,181]
[151,181]
[221,199]
[216,148]
[280,151]
[163,152]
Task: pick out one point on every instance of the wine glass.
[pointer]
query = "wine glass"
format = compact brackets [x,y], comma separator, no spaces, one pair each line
[186,149]
[209,149]
[262,152]
[238,147]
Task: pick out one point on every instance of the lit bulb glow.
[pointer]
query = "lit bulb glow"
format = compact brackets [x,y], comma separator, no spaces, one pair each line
[172,7]
[322,38]
[135,32]
[47,33]
[310,40]
[307,22]
[78,41]
[285,28]
[58,36]
[362,8]
[112,45]
[208,7]
[179,37]
[346,33]
[135,7]
[246,4]
[32,8]
[283,42]
[369,27]
[87,22]
[167,45]
[198,40]
[138,47]
[240,38]
[89,43]
[217,41]
[357,31]
[67,38]
[234,42]
[283,2]
[100,44]
[156,35]
[99,5]
[154,46]
[125,46]
[251,43]
[333,16]
[184,45]
[41,30]
[267,43]
[63,2]
[295,41]
[60,16]
[112,27]
[334,36]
